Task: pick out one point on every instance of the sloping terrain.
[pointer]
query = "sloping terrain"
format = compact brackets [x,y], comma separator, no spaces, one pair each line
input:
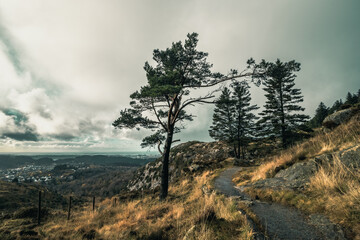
[310,191]
[278,221]
[321,177]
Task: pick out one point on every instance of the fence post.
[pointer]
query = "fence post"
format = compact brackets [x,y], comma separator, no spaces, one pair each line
[68,217]
[93,204]
[115,201]
[39,209]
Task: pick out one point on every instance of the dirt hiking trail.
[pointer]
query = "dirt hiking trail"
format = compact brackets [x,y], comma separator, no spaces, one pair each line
[278,221]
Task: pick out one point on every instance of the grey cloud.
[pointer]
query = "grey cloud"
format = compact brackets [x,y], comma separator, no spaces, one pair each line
[26,136]
[88,55]
[22,130]
[62,136]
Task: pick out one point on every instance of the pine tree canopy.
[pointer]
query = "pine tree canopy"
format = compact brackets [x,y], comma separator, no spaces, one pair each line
[351,98]
[281,110]
[321,113]
[160,105]
[233,120]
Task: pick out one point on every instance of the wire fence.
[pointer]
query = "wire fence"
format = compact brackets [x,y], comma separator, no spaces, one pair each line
[69,208]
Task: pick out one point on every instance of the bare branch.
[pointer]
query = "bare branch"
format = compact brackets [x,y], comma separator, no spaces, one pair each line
[158,146]
[193,100]
[215,82]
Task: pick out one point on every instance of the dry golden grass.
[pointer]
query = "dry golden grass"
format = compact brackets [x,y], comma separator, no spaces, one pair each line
[187,214]
[244,177]
[337,189]
[334,190]
[340,138]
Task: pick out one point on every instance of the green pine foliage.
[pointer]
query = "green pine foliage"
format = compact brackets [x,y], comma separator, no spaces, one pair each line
[178,69]
[160,105]
[223,118]
[336,106]
[281,116]
[351,98]
[321,113]
[233,118]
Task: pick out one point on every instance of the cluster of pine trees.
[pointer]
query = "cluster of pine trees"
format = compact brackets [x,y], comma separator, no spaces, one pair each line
[179,70]
[322,111]
[234,120]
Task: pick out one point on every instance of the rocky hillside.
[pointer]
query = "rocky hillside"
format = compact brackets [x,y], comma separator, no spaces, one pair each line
[298,176]
[184,159]
[318,176]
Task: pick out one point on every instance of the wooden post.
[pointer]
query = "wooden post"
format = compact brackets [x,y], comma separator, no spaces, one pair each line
[68,217]
[39,209]
[115,201]
[93,204]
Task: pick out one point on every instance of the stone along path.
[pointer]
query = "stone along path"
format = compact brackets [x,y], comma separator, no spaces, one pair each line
[279,222]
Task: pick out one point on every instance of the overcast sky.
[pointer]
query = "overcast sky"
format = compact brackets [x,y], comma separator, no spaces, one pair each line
[68,67]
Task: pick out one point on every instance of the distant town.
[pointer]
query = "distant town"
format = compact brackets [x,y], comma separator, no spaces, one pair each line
[72,174]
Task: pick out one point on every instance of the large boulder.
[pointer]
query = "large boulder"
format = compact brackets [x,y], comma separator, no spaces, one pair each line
[295,177]
[299,173]
[350,157]
[337,118]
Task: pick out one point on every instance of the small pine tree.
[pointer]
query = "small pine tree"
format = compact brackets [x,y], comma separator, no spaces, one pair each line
[233,119]
[351,98]
[336,106]
[320,114]
[223,118]
[278,117]
[244,116]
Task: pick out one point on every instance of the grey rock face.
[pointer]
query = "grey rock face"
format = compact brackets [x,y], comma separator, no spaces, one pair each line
[350,157]
[298,175]
[190,157]
[338,118]
[298,171]
[295,177]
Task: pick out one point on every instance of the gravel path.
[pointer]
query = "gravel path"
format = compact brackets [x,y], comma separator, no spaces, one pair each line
[280,222]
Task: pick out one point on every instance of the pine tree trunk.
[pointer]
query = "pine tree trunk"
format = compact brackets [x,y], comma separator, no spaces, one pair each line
[165,165]
[237,154]
[243,152]
[283,138]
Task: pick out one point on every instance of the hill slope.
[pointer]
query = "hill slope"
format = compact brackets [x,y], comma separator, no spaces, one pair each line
[194,210]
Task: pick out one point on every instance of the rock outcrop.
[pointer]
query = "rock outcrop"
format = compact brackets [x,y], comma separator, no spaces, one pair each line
[298,175]
[185,158]
[339,117]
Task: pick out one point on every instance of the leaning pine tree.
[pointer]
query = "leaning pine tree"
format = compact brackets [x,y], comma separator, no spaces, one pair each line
[233,120]
[160,105]
[280,116]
